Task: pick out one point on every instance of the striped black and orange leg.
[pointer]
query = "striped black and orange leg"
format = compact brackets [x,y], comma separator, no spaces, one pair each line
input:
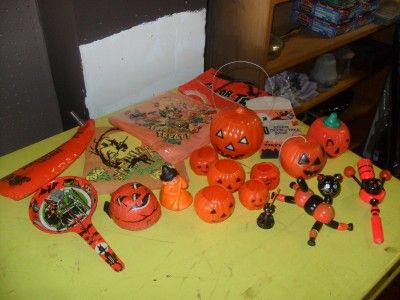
[283,198]
[340,226]
[314,233]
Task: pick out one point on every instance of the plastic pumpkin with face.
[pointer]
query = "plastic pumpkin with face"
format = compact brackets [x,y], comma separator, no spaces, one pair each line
[228,173]
[331,133]
[253,194]
[133,206]
[202,159]
[214,203]
[302,156]
[268,173]
[236,132]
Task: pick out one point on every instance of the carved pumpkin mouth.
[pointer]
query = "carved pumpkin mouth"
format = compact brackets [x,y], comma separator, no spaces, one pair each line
[335,154]
[258,206]
[144,217]
[223,153]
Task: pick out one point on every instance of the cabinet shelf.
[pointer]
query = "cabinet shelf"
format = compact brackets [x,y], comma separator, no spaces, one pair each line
[306,46]
[353,78]
[275,2]
[240,31]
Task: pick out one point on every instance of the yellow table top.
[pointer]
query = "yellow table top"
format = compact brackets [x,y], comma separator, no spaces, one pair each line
[182,257]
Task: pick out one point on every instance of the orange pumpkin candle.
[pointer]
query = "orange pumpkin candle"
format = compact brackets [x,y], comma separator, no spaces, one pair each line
[253,194]
[214,204]
[331,133]
[202,159]
[302,156]
[266,172]
[228,173]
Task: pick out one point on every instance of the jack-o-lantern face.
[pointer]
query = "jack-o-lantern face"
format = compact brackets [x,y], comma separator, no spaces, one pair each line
[134,207]
[236,133]
[228,173]
[302,156]
[268,173]
[202,159]
[253,194]
[332,134]
[214,203]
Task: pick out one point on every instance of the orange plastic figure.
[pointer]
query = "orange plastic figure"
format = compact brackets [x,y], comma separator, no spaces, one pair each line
[173,194]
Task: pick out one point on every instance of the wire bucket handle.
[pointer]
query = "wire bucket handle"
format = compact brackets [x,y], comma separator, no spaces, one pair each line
[237,62]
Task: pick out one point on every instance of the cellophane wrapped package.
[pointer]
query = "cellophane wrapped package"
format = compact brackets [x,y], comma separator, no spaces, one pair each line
[220,92]
[171,124]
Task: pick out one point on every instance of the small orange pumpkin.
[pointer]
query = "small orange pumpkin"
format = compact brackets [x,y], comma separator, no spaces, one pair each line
[236,132]
[253,194]
[331,133]
[302,156]
[133,206]
[214,203]
[228,173]
[202,159]
[266,172]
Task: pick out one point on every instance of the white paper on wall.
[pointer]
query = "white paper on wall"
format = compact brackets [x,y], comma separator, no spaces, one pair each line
[143,61]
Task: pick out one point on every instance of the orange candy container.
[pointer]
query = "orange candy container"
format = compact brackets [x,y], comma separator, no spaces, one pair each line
[228,173]
[214,204]
[253,194]
[236,132]
[202,159]
[268,173]
[302,156]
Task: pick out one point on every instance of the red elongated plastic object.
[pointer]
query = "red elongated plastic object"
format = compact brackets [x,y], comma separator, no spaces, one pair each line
[376,224]
[26,180]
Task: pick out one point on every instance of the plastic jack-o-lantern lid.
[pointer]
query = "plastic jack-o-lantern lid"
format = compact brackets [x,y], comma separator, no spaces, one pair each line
[236,133]
[133,206]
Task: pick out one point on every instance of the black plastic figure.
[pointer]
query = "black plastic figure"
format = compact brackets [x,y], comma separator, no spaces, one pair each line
[320,208]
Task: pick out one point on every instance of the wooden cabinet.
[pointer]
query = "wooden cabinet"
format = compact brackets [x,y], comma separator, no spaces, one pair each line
[241,30]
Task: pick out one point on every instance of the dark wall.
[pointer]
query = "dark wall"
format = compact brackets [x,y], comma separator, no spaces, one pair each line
[28,103]
[68,24]
[41,78]
[106,17]
[58,23]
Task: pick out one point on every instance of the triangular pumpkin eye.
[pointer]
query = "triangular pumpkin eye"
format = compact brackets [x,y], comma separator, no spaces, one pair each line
[317,162]
[136,185]
[303,160]
[243,141]
[230,147]
[220,134]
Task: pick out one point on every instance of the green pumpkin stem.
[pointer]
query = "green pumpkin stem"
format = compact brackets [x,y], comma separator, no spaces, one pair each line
[332,121]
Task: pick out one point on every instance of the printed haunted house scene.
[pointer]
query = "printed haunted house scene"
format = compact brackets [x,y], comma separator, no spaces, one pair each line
[64,208]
